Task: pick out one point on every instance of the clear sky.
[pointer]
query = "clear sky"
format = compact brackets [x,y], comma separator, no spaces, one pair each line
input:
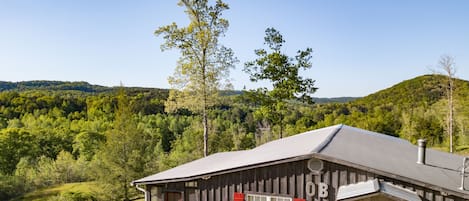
[360,46]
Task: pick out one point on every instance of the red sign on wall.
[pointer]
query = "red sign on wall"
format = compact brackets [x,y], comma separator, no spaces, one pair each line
[238,197]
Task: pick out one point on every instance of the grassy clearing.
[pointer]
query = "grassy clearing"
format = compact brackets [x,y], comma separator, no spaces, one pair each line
[462,150]
[48,193]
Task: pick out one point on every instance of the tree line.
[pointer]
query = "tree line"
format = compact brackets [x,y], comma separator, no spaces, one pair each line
[54,137]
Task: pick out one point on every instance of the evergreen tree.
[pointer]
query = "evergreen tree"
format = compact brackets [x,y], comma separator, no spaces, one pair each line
[121,159]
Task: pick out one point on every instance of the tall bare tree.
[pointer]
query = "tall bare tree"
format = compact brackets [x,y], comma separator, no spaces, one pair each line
[447,65]
[204,65]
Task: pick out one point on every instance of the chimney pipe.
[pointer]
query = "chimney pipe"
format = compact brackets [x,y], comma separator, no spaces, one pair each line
[422,145]
[463,173]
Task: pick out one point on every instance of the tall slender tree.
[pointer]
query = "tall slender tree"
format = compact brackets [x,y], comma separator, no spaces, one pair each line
[204,66]
[284,73]
[446,64]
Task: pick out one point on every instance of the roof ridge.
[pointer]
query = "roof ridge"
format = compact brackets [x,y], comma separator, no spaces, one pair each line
[329,138]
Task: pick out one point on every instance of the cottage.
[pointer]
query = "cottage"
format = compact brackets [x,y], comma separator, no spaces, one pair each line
[333,163]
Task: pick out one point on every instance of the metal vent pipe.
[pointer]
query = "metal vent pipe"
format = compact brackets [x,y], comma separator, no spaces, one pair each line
[422,146]
[463,173]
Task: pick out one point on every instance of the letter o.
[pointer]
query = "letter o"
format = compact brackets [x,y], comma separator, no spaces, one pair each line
[310,189]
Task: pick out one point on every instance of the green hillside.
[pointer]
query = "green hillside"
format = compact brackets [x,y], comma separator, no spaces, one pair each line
[52,85]
[54,133]
[89,88]
[426,89]
[411,109]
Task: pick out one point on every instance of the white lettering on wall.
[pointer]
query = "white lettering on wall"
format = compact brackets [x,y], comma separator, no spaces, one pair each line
[322,189]
[310,189]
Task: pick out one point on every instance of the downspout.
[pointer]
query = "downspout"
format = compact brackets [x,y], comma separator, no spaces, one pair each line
[141,189]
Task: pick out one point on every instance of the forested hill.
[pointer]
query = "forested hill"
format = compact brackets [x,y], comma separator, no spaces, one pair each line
[65,86]
[334,100]
[412,109]
[47,127]
[52,85]
[90,88]
[422,90]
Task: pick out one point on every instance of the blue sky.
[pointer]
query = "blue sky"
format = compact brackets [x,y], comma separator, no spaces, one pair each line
[360,46]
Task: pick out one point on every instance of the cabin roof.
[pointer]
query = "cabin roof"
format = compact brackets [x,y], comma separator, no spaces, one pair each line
[342,144]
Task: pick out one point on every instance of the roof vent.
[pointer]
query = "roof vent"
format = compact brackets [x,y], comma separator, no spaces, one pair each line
[422,145]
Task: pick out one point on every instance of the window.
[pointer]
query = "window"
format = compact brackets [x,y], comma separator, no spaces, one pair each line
[252,197]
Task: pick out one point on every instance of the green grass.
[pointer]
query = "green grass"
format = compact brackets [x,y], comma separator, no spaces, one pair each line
[462,150]
[48,193]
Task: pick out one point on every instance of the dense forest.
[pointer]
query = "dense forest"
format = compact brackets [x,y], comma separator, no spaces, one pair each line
[59,132]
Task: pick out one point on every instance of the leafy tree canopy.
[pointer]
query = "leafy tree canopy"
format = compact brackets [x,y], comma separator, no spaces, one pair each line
[284,73]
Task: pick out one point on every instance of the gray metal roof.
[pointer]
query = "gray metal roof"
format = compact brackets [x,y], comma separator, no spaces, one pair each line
[395,156]
[340,143]
[290,147]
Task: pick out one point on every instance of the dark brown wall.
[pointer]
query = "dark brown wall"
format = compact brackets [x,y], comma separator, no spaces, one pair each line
[289,179]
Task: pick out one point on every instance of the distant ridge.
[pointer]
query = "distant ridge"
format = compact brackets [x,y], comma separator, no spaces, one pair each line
[335,100]
[91,88]
[408,93]
[53,86]
[47,85]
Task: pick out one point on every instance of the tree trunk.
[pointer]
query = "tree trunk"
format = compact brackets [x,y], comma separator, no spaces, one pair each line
[450,119]
[447,64]
[281,131]
[126,192]
[205,103]
[205,122]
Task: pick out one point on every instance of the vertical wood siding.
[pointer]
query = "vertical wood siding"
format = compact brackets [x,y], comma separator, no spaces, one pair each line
[289,179]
